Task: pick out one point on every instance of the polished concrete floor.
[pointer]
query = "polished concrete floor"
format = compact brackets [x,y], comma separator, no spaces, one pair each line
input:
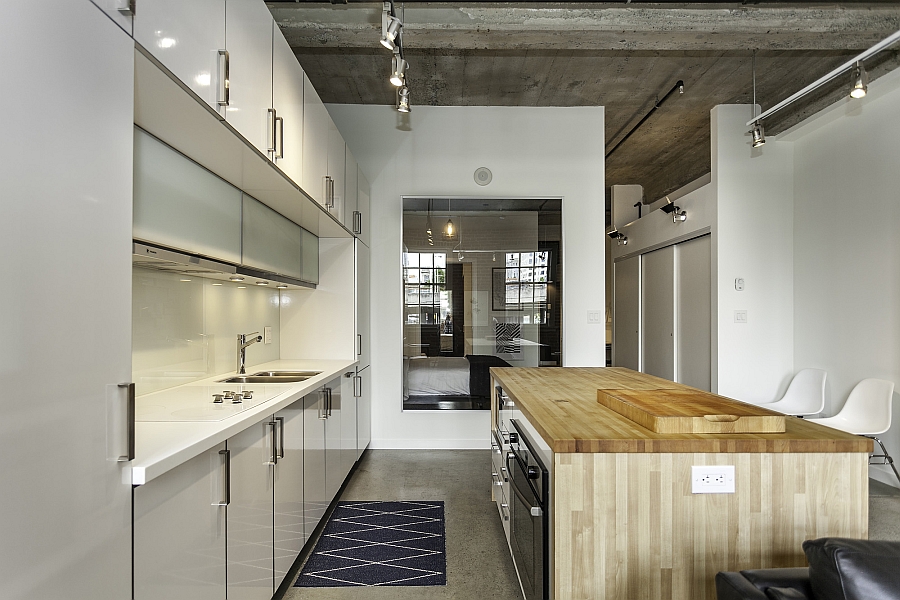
[478,561]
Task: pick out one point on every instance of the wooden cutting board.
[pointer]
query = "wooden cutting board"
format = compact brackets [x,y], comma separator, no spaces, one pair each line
[690,411]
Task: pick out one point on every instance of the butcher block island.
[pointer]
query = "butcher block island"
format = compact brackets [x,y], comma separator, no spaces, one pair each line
[597,505]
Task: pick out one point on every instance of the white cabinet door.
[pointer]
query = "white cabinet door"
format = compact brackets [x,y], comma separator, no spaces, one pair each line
[363,201]
[186,37]
[363,410]
[248,39]
[337,161]
[179,531]
[287,96]
[351,190]
[68,85]
[348,424]
[315,500]
[250,567]
[119,11]
[289,536]
[316,125]
[362,304]
[334,465]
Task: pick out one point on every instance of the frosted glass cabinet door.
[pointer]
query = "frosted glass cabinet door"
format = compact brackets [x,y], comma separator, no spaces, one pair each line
[181,205]
[272,242]
[179,532]
[249,44]
[310,269]
[287,95]
[186,37]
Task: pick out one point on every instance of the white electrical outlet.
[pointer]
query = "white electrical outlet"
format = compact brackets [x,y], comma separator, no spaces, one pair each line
[740,316]
[739,284]
[712,479]
[267,335]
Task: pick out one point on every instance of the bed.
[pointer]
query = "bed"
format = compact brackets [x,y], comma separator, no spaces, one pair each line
[441,380]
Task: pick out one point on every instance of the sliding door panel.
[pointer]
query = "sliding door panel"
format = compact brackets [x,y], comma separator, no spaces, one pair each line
[658,312]
[693,312]
[626,309]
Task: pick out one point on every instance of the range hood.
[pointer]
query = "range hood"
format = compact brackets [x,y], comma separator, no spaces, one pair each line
[173,261]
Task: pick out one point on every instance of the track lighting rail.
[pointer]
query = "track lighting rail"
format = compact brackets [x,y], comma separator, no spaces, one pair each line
[847,66]
[679,87]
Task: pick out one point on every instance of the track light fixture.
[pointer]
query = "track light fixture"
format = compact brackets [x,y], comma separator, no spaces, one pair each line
[390,26]
[675,211]
[398,69]
[621,239]
[758,134]
[860,81]
[403,100]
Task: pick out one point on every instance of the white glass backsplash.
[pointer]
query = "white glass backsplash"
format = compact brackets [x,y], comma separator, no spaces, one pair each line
[183,331]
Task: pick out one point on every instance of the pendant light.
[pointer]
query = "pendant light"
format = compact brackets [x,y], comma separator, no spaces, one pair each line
[860,81]
[449,228]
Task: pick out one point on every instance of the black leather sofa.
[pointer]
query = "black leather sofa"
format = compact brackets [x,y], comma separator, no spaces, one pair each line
[839,569]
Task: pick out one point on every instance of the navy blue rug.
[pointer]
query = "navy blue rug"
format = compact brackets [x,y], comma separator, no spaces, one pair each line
[379,543]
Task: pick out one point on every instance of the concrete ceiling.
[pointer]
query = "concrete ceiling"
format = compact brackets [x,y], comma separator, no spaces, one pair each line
[622,56]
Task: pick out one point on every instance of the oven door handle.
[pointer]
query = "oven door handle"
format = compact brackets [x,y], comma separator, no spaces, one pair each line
[535,511]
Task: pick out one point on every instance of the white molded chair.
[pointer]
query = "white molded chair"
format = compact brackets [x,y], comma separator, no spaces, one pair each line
[804,396]
[866,412]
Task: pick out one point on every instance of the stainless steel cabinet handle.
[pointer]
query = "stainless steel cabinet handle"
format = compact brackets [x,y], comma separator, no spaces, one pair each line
[280,436]
[126,7]
[322,415]
[357,222]
[271,119]
[536,511]
[226,480]
[328,404]
[129,427]
[357,386]
[504,507]
[280,140]
[359,344]
[224,93]
[273,440]
[329,192]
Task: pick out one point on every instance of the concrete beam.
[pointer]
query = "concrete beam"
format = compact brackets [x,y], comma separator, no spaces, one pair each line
[594,27]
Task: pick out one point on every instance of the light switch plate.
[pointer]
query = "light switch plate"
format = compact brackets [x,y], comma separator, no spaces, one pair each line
[712,479]
[267,335]
[740,316]
[593,317]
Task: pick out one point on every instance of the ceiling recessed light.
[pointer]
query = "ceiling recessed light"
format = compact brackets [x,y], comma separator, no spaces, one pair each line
[217,284]
[262,283]
[184,280]
[242,287]
[281,286]
[235,278]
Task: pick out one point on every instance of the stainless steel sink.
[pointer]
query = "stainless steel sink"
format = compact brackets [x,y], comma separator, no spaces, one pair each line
[304,374]
[265,379]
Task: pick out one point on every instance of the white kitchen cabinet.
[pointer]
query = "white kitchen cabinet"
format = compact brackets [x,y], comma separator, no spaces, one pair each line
[315,498]
[68,85]
[309,247]
[363,319]
[248,39]
[351,190]
[362,387]
[287,101]
[316,126]
[181,205]
[334,464]
[179,531]
[120,11]
[250,566]
[364,195]
[288,520]
[337,162]
[188,38]
[348,424]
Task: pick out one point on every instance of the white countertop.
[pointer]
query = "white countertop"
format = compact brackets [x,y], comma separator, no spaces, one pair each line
[170,439]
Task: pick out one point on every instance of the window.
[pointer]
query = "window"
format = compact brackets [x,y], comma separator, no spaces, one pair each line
[522,285]
[424,287]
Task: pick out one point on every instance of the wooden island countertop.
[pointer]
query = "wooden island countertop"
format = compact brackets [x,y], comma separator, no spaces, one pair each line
[561,403]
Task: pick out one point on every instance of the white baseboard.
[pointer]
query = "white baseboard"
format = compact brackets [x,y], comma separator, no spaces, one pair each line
[431,444]
[884,474]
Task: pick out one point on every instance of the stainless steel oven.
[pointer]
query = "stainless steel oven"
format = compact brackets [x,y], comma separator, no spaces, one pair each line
[529,536]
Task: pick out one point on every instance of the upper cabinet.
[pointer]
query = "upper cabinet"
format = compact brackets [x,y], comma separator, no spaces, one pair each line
[364,194]
[189,39]
[287,108]
[324,154]
[351,190]
[276,244]
[249,45]
[120,11]
[181,205]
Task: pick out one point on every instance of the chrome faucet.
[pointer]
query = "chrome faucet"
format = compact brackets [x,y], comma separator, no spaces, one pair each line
[244,340]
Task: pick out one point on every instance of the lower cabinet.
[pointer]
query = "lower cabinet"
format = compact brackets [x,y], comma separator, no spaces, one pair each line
[179,531]
[250,537]
[230,522]
[363,410]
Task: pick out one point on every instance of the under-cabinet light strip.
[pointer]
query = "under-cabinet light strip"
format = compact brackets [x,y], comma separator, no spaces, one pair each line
[888,41]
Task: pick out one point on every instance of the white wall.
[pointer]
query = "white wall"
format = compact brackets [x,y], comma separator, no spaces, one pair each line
[555,152]
[753,239]
[847,247]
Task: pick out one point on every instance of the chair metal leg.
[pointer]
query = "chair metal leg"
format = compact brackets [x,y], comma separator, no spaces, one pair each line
[885,458]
